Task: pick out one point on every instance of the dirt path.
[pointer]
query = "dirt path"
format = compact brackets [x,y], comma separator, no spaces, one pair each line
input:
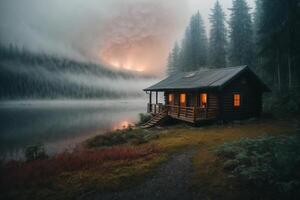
[171,181]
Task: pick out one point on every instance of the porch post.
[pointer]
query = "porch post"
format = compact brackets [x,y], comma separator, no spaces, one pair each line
[150,100]
[156,99]
[178,107]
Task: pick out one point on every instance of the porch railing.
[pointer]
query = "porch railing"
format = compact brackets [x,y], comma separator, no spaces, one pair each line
[155,108]
[190,114]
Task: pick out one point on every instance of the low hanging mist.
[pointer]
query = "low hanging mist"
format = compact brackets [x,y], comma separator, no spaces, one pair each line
[85,49]
[35,76]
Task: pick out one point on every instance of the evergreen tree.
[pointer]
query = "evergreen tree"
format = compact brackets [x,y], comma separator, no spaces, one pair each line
[174,60]
[257,19]
[194,45]
[258,60]
[279,31]
[241,34]
[170,67]
[185,53]
[217,48]
[199,42]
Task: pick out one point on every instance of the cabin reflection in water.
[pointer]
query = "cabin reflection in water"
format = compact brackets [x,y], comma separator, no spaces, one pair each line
[209,94]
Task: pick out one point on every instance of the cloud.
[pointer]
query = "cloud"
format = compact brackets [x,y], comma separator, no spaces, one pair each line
[134,34]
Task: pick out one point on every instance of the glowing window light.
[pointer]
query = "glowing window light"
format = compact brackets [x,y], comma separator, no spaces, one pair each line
[203,100]
[182,99]
[237,100]
[171,98]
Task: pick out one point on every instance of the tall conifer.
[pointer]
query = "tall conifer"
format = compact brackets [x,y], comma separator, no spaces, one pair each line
[194,45]
[217,41]
[241,34]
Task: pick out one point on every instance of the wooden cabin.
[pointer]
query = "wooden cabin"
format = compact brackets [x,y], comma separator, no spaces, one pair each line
[230,93]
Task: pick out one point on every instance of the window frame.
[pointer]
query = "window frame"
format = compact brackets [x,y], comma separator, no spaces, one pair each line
[182,104]
[237,101]
[206,98]
[171,96]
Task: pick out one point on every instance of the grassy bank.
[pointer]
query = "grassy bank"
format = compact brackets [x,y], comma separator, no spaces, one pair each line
[125,157]
[71,174]
[212,178]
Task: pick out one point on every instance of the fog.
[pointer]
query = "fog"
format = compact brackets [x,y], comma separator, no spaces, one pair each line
[133,34]
[61,125]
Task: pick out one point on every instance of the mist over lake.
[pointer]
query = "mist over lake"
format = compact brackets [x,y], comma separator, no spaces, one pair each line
[61,124]
[60,102]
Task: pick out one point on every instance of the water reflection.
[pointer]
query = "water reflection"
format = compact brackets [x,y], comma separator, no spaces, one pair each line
[123,124]
[61,124]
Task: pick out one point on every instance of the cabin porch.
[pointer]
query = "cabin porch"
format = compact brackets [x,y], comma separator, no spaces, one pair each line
[189,107]
[188,114]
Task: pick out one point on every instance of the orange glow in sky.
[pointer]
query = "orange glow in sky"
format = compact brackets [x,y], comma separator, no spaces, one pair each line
[133,59]
[127,66]
[140,36]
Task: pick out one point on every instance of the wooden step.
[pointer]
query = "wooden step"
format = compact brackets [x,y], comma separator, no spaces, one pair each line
[154,120]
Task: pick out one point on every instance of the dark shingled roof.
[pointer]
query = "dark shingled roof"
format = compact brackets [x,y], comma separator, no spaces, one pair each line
[203,78]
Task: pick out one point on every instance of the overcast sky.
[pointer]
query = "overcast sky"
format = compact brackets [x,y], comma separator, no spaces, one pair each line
[132,34]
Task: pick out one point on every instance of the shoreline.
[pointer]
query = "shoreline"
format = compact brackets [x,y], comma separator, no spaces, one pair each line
[123,159]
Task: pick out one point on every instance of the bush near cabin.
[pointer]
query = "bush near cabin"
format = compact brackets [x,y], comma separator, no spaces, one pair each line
[268,165]
[124,136]
[283,104]
[128,135]
[143,118]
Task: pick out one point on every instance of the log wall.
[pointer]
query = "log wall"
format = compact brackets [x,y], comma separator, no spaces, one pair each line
[251,99]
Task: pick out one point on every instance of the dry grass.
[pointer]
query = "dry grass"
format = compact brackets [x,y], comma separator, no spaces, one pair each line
[68,174]
[71,174]
[174,138]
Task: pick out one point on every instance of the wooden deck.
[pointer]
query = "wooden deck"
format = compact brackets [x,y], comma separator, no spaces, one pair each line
[188,114]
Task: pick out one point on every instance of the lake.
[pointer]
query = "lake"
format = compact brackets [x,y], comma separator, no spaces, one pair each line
[61,124]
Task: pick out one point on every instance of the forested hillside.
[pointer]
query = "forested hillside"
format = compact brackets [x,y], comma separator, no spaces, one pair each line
[28,75]
[266,38]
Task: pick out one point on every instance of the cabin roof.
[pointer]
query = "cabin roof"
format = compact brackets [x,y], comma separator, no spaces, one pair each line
[203,78]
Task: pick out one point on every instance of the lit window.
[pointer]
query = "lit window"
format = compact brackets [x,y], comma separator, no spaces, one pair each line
[237,100]
[171,98]
[182,99]
[203,100]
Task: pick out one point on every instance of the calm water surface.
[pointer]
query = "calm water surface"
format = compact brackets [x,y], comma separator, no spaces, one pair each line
[61,125]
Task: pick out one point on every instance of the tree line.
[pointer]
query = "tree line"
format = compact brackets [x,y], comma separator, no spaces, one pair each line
[266,38]
[24,74]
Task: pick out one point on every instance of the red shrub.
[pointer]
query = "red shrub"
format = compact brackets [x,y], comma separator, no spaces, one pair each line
[19,173]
